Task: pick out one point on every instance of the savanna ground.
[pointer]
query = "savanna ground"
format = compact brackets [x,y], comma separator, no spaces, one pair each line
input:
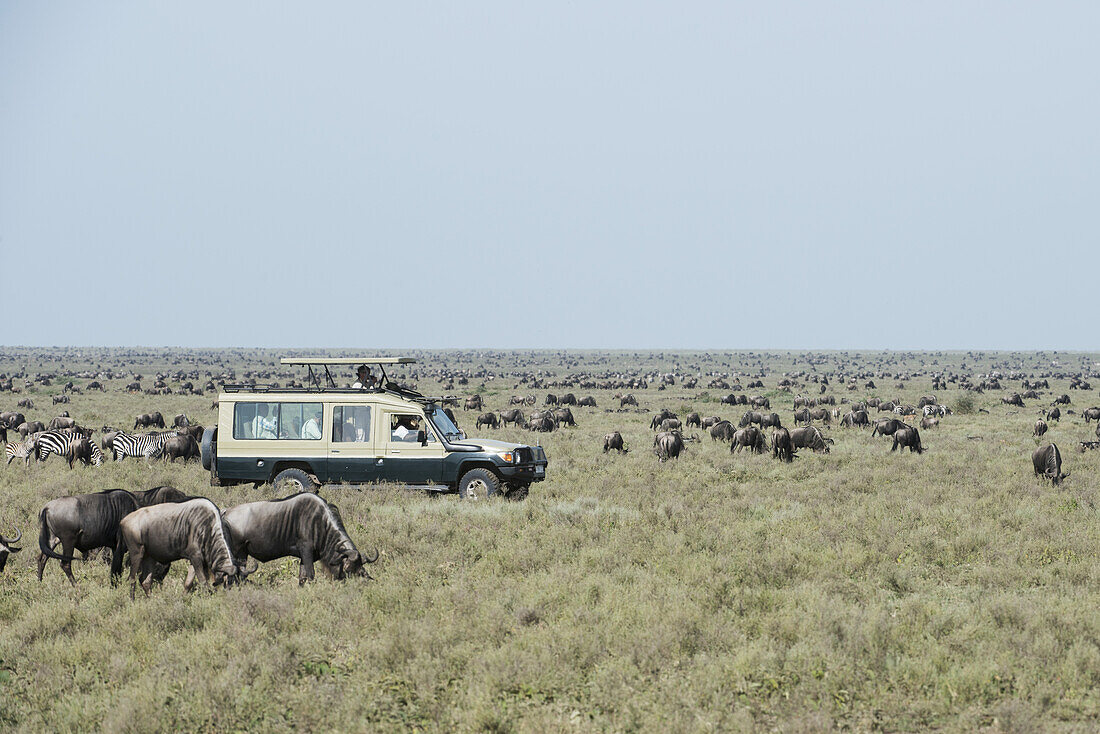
[858,590]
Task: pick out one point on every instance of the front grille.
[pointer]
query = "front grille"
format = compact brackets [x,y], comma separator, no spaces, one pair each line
[524,456]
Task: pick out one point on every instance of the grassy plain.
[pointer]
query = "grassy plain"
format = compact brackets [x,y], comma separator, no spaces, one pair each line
[860,589]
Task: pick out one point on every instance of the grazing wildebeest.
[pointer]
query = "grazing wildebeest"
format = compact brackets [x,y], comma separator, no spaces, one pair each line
[148,420]
[749,418]
[61,399]
[7,547]
[191,530]
[563,415]
[1054,414]
[856,418]
[488,419]
[61,422]
[472,403]
[887,407]
[802,416]
[568,399]
[1014,399]
[1062,400]
[1047,461]
[663,415]
[83,523]
[551,399]
[821,414]
[809,437]
[1040,427]
[1091,414]
[182,446]
[751,438]
[301,526]
[587,402]
[181,421]
[886,427]
[907,436]
[614,441]
[770,420]
[722,430]
[542,424]
[710,421]
[929,421]
[782,448]
[159,495]
[693,419]
[730,399]
[12,420]
[668,445]
[671,424]
[926,400]
[515,415]
[79,449]
[626,400]
[760,402]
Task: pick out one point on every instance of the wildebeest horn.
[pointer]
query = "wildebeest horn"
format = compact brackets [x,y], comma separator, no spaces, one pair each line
[13,540]
[245,571]
[370,560]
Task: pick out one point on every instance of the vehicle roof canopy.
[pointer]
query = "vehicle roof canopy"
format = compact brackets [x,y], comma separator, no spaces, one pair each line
[346,360]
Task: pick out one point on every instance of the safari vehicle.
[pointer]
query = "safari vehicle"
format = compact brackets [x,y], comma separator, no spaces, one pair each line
[323,434]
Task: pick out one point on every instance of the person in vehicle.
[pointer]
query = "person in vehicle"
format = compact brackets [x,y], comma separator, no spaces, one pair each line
[365,378]
[264,427]
[312,428]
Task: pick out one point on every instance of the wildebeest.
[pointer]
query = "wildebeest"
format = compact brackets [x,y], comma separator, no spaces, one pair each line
[809,437]
[855,418]
[886,427]
[181,446]
[760,402]
[473,403]
[614,442]
[626,400]
[587,402]
[926,400]
[802,416]
[749,418]
[1054,414]
[821,414]
[61,422]
[302,526]
[149,420]
[710,421]
[1014,399]
[7,547]
[693,419]
[668,445]
[1040,427]
[551,399]
[671,424]
[181,421]
[515,415]
[751,438]
[488,419]
[1047,461]
[542,424]
[79,449]
[61,399]
[1091,414]
[568,399]
[159,495]
[1062,400]
[722,430]
[907,436]
[12,420]
[663,415]
[563,415]
[929,421]
[191,530]
[83,523]
[770,420]
[782,448]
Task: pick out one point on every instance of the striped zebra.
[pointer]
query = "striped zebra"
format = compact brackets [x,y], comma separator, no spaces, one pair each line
[58,442]
[148,445]
[18,450]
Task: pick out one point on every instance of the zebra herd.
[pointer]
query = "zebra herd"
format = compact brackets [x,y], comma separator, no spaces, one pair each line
[74,445]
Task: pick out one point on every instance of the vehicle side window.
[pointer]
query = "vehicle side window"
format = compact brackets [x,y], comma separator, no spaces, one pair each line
[265,421]
[403,428]
[351,423]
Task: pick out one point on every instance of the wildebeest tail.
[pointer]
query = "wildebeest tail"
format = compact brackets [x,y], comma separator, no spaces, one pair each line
[44,538]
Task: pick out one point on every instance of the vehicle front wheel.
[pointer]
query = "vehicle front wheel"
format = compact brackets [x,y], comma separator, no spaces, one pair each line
[478,484]
[294,480]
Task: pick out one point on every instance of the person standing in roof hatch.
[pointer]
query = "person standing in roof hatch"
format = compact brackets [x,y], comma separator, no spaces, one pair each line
[365,378]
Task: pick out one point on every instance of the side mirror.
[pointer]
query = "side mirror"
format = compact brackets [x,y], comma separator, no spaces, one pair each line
[422,437]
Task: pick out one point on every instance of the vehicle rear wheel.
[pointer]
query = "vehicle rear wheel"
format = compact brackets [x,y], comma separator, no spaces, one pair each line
[478,484]
[294,480]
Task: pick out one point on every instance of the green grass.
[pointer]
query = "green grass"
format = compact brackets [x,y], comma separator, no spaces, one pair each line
[860,589]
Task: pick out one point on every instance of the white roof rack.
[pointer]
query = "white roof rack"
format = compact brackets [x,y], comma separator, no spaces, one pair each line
[346,360]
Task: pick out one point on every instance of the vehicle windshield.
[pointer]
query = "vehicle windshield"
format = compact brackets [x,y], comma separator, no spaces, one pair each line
[445,425]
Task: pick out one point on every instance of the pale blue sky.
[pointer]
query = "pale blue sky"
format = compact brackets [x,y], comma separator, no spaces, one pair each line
[727,175]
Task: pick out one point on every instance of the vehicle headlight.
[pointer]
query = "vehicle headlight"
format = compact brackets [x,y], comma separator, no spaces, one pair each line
[508,457]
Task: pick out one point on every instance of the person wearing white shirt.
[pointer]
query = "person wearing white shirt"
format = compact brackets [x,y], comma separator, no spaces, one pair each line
[265,427]
[366,379]
[312,428]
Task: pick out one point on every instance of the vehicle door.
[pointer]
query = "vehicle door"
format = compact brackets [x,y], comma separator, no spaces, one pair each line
[353,455]
[408,459]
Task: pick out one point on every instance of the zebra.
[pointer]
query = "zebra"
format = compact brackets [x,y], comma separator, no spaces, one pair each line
[58,442]
[18,450]
[148,445]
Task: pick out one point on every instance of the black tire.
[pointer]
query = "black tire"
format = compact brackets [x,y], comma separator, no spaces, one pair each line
[295,480]
[478,484]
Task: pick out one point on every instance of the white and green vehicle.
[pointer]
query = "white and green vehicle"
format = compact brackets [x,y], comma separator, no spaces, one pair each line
[323,434]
